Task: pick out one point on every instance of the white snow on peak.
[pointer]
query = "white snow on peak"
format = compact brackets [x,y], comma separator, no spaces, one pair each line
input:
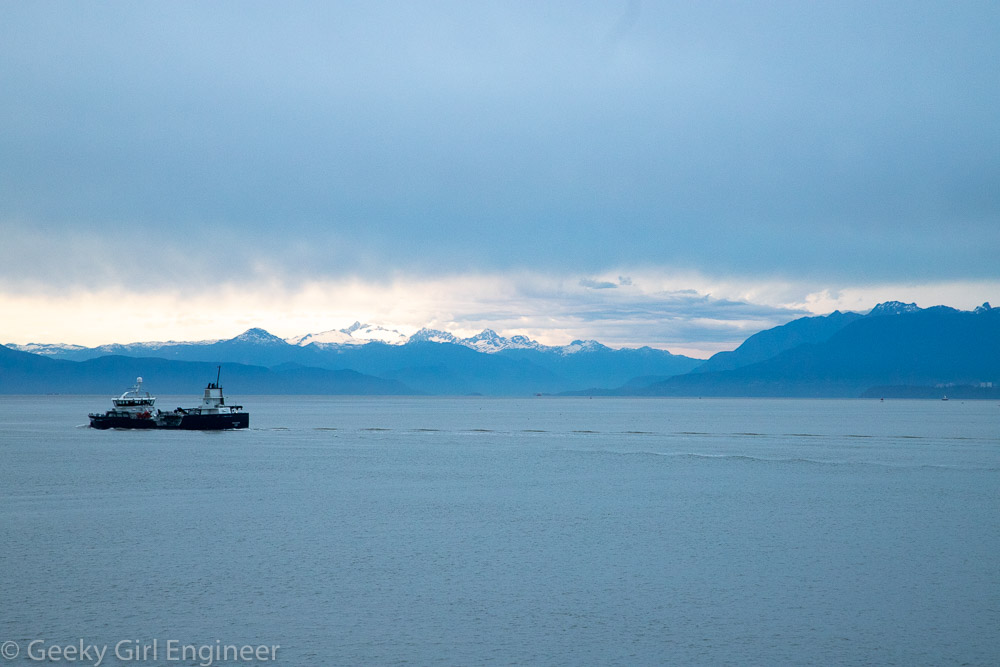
[434,336]
[487,341]
[356,334]
[57,349]
[45,349]
[582,346]
[894,308]
[331,337]
[490,341]
[524,342]
[371,333]
[355,327]
[258,336]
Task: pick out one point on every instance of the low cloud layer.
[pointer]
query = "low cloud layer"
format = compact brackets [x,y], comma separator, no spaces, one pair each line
[654,309]
[552,309]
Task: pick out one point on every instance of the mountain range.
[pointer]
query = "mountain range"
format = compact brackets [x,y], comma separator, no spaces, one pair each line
[896,349]
[429,362]
[358,334]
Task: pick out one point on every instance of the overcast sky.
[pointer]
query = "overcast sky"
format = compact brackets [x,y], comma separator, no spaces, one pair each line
[677,174]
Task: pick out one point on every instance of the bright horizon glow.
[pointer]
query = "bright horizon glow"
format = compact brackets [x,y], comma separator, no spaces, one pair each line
[644,309]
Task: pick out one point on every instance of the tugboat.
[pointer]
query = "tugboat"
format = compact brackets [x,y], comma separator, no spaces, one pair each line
[135,409]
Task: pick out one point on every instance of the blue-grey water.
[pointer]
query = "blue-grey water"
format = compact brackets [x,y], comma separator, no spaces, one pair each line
[373,531]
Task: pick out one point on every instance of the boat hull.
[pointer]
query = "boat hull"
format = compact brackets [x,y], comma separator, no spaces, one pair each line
[221,422]
[112,421]
[188,422]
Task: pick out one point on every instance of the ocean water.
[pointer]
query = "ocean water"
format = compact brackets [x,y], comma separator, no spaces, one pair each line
[469,531]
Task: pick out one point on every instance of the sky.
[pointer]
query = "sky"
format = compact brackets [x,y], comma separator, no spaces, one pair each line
[672,174]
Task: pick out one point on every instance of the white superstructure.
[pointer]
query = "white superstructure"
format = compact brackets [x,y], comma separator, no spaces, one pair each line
[136,401]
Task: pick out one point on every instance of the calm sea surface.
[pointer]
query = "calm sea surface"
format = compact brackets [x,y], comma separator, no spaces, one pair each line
[371,531]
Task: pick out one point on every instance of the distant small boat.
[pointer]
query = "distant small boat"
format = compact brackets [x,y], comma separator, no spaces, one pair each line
[135,409]
[944,398]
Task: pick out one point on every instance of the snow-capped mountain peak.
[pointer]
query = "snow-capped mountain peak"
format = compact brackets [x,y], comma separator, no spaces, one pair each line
[485,341]
[490,341]
[434,336]
[257,336]
[524,342]
[894,308]
[582,346]
[333,336]
[356,334]
[370,333]
[46,349]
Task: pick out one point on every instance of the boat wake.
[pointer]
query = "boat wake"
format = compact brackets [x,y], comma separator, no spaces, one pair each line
[771,460]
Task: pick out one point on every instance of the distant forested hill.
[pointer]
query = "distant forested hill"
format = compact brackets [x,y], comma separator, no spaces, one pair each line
[901,347]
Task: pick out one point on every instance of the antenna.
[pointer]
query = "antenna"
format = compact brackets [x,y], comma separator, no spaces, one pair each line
[218,376]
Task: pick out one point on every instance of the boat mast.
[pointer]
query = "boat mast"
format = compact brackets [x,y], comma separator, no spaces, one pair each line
[218,375]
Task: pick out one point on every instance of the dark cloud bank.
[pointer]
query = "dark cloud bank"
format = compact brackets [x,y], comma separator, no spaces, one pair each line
[846,142]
